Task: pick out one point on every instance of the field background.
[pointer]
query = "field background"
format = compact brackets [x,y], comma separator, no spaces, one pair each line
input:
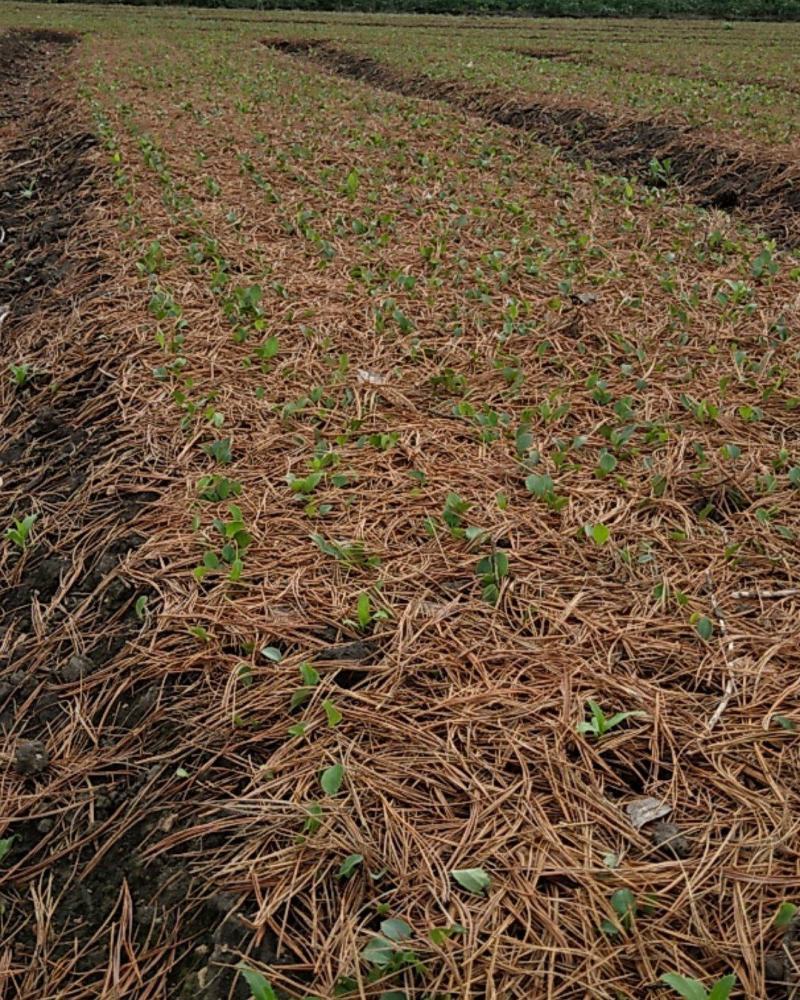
[395,436]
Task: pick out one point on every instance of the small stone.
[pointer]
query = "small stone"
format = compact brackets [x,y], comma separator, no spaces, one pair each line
[669,840]
[45,825]
[31,757]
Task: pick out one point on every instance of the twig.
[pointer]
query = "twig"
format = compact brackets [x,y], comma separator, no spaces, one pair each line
[788,592]
[727,651]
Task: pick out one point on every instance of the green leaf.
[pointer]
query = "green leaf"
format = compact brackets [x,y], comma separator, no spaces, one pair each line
[722,989]
[5,845]
[606,463]
[378,952]
[363,609]
[298,729]
[299,697]
[705,628]
[439,935]
[623,902]
[785,723]
[272,653]
[783,917]
[309,675]
[140,607]
[351,184]
[689,989]
[600,724]
[794,476]
[259,986]
[619,717]
[600,534]
[331,779]
[349,865]
[395,929]
[472,879]
[539,485]
[332,713]
[393,995]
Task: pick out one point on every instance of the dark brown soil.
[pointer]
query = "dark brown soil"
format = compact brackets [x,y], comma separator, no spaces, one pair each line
[764,192]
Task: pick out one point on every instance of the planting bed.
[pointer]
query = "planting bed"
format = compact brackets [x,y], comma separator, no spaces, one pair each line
[402,468]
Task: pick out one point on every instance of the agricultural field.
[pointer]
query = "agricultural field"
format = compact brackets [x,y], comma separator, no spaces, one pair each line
[400,464]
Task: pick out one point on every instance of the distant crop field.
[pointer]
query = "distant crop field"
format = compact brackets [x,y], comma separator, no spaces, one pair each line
[400,455]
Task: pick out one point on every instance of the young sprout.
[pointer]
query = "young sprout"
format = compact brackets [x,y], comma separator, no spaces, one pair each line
[692,989]
[19,532]
[20,374]
[599,724]
[260,987]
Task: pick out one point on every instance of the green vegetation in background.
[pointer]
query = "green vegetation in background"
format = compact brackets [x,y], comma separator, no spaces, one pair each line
[759,10]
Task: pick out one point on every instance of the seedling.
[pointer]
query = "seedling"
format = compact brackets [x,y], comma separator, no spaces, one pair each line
[259,986]
[366,616]
[693,989]
[349,865]
[474,880]
[599,724]
[215,488]
[785,915]
[20,374]
[152,260]
[19,533]
[352,554]
[220,451]
[387,953]
[310,678]
[453,514]
[331,779]
[542,487]
[491,571]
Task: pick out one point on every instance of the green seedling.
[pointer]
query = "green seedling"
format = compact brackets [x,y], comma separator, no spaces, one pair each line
[331,779]
[352,554]
[19,532]
[474,880]
[259,986]
[349,865]
[785,915]
[599,724]
[220,451]
[626,909]
[693,989]
[310,678]
[152,260]
[216,488]
[20,374]
[366,616]
[542,487]
[491,570]
[453,514]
